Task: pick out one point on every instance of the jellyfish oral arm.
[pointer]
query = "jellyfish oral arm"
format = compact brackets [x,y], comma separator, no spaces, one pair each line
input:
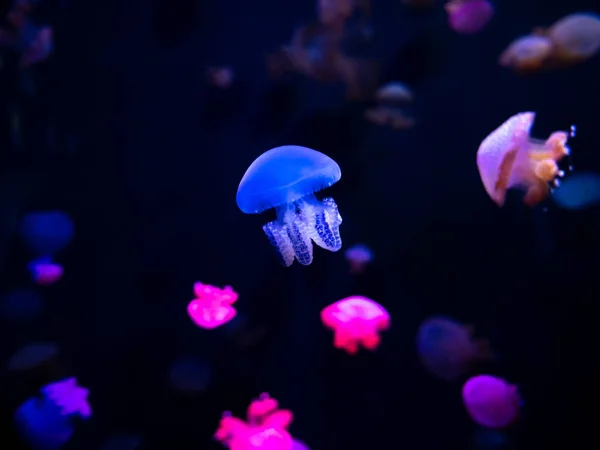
[300,223]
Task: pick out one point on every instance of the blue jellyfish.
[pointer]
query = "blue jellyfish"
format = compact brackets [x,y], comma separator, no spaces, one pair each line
[46,232]
[286,178]
[578,191]
[21,304]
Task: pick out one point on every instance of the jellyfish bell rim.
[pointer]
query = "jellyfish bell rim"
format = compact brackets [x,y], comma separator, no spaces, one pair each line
[299,185]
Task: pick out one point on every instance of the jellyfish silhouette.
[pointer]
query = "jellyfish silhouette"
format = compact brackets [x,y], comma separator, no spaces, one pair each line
[21,304]
[286,178]
[32,356]
[46,232]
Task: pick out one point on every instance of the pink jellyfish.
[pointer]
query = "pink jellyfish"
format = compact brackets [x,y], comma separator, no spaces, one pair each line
[359,256]
[265,429]
[491,402]
[45,272]
[212,307]
[469,16]
[69,397]
[356,320]
[447,349]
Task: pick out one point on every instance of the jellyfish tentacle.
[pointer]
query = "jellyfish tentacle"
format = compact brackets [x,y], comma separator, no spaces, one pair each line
[299,237]
[323,221]
[278,236]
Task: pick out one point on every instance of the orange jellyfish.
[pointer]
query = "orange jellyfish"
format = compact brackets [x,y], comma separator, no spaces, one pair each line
[527,53]
[575,37]
[212,307]
[356,320]
[447,348]
[510,158]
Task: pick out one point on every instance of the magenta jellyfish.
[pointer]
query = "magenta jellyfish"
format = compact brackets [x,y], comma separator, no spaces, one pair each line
[45,272]
[265,429]
[47,423]
[359,256]
[491,402]
[447,348]
[469,16]
[212,306]
[286,178]
[356,321]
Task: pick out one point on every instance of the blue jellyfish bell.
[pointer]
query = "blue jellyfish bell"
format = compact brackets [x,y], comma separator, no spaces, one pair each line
[46,232]
[42,426]
[286,178]
[21,304]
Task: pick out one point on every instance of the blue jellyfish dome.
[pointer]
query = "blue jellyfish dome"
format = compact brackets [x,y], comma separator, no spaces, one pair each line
[191,375]
[21,304]
[284,175]
[42,426]
[46,232]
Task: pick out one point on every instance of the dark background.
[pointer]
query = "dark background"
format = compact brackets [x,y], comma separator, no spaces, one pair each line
[151,186]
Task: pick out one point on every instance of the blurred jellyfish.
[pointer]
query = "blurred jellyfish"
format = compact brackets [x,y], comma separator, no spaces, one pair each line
[32,356]
[221,77]
[286,178]
[356,321]
[388,110]
[40,47]
[265,429]
[469,16]
[46,232]
[45,272]
[447,348]
[47,423]
[122,442]
[212,306]
[488,439]
[21,304]
[190,375]
[297,445]
[578,191]
[527,53]
[575,37]
[359,256]
[491,402]
[394,92]
[510,158]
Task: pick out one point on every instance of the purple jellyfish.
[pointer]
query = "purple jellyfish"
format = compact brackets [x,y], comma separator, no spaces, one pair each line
[286,178]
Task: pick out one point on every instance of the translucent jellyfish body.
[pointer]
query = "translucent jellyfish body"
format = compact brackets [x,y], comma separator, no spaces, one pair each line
[212,306]
[286,178]
[265,429]
[527,53]
[359,256]
[47,423]
[447,349]
[510,158]
[575,37]
[469,16]
[491,402]
[356,321]
[389,110]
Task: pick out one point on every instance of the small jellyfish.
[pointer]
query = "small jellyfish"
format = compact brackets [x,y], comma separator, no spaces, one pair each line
[46,232]
[388,110]
[527,54]
[47,423]
[286,178]
[190,375]
[510,158]
[491,402]
[394,92]
[44,271]
[21,304]
[32,356]
[212,306]
[356,321]
[221,77]
[469,16]
[575,37]
[39,49]
[359,256]
[447,349]
[578,191]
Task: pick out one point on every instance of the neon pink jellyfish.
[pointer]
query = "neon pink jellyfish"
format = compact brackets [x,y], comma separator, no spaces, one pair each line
[286,178]
[48,422]
[190,375]
[45,272]
[265,429]
[359,256]
[212,306]
[356,321]
[491,402]
[469,16]
[447,348]
[510,158]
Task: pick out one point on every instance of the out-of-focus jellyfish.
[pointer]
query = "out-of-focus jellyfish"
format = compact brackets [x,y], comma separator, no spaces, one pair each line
[388,110]
[527,53]
[394,92]
[510,158]
[469,16]
[47,423]
[356,321]
[40,48]
[297,445]
[447,348]
[491,402]
[46,232]
[578,191]
[265,429]
[32,356]
[221,77]
[190,375]
[45,272]
[359,256]
[122,441]
[286,178]
[21,304]
[212,306]
[575,37]
[334,13]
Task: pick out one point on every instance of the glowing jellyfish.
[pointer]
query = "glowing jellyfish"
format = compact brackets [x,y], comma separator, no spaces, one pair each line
[297,445]
[359,256]
[286,178]
[527,53]
[356,321]
[32,356]
[578,191]
[212,306]
[510,158]
[447,348]
[469,16]
[44,271]
[575,37]
[46,232]
[190,375]
[491,402]
[21,304]
[47,423]
[265,429]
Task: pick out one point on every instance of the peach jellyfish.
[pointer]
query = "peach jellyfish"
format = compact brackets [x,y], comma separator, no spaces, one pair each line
[575,37]
[356,321]
[527,53]
[491,402]
[510,158]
